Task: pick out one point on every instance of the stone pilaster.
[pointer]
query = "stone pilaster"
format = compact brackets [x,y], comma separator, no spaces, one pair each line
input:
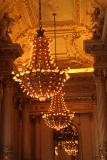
[8,53]
[26,155]
[1,95]
[32,122]
[52,146]
[7,149]
[16,128]
[102,113]
[37,138]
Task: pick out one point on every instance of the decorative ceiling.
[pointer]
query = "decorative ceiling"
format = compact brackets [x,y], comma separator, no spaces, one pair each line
[73,25]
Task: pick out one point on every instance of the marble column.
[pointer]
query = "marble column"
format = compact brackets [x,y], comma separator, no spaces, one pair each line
[7,151]
[26,155]
[102,114]
[37,138]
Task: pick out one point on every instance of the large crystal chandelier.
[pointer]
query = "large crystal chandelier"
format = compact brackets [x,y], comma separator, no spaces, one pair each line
[58,115]
[71,147]
[41,78]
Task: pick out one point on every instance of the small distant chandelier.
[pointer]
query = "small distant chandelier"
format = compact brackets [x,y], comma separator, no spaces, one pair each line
[71,147]
[58,115]
[56,150]
[41,78]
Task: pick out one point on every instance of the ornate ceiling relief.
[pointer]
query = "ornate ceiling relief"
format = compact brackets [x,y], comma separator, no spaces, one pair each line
[69,46]
[74,25]
[77,11]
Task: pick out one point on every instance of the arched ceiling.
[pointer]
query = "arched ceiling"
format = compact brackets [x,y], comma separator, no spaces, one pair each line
[73,22]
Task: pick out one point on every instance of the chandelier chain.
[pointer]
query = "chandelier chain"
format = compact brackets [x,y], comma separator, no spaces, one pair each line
[40,24]
[54,14]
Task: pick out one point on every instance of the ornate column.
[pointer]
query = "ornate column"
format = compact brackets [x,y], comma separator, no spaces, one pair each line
[8,53]
[98,48]
[102,112]
[26,155]
[7,151]
[37,138]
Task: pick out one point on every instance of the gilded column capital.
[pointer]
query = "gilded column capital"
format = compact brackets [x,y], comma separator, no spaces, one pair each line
[7,152]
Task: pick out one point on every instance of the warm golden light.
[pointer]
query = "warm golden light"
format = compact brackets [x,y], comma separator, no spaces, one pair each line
[80,70]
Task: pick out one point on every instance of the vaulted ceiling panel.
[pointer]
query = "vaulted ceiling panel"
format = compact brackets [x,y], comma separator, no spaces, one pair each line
[73,21]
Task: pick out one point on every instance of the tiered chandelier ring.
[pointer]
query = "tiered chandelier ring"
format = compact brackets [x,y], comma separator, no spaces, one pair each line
[58,115]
